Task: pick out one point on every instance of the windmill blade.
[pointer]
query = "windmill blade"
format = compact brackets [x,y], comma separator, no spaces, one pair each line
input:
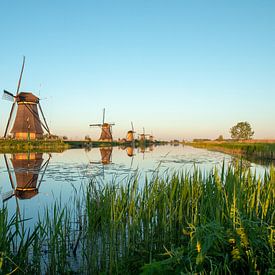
[91,125]
[20,78]
[103,116]
[9,120]
[8,96]
[132,159]
[48,130]
[132,126]
[143,131]
[17,91]
[6,196]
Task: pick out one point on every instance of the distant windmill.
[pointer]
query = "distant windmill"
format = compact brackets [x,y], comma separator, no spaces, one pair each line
[106,129]
[142,137]
[27,123]
[130,134]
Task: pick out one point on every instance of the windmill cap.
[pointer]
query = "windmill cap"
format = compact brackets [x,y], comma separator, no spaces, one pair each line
[27,97]
[105,125]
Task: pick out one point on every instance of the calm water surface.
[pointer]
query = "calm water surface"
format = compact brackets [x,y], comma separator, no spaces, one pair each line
[62,176]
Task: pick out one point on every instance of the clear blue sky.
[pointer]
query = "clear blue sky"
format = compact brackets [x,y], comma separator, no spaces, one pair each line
[181,69]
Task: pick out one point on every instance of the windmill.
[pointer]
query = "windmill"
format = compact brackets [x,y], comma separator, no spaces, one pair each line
[27,167]
[142,137]
[130,134]
[106,129]
[151,138]
[27,123]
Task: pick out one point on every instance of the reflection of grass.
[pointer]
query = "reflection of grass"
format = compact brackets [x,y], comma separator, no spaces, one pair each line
[220,223]
[13,146]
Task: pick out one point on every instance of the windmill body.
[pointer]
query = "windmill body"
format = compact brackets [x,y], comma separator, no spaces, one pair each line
[142,137]
[130,134]
[27,123]
[106,134]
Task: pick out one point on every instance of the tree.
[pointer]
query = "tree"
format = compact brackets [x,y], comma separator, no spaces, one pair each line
[220,138]
[242,130]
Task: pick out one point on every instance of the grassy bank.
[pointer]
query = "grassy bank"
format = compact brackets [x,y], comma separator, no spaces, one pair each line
[257,150]
[10,146]
[84,143]
[222,223]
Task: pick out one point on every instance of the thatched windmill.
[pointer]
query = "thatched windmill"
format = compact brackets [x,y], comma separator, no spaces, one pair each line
[106,129]
[130,134]
[27,123]
[27,167]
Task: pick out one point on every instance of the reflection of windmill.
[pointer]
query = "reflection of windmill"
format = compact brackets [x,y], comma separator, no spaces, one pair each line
[106,154]
[106,129]
[130,151]
[130,134]
[27,123]
[106,158]
[27,167]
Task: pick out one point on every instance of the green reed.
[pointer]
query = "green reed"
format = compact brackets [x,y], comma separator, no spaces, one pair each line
[222,222]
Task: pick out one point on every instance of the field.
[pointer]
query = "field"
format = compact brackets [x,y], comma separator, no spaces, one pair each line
[219,223]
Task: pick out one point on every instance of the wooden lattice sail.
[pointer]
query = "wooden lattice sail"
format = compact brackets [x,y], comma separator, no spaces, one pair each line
[27,123]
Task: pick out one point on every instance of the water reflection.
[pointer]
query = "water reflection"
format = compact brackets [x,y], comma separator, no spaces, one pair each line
[25,175]
[130,151]
[26,169]
[106,155]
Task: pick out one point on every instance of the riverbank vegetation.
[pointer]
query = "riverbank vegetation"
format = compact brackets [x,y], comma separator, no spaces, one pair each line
[220,223]
[12,145]
[261,151]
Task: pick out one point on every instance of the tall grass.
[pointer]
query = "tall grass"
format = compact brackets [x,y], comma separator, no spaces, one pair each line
[219,223]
